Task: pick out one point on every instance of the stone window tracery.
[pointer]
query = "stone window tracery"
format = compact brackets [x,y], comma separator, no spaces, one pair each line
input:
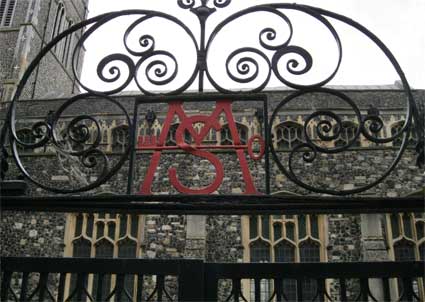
[26,136]
[406,238]
[289,135]
[120,138]
[105,236]
[284,238]
[7,10]
[60,12]
[171,136]
[67,46]
[347,134]
[226,135]
[396,128]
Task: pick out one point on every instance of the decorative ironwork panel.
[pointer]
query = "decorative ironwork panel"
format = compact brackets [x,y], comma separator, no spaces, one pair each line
[274,53]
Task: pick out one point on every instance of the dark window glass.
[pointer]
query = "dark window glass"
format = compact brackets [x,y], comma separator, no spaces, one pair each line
[314,225]
[277,230]
[290,230]
[123,225]
[82,249]
[422,251]
[403,251]
[309,252]
[227,138]
[127,249]
[260,251]
[253,231]
[265,226]
[90,222]
[134,225]
[79,225]
[407,225]
[7,9]
[394,225]
[302,226]
[284,252]
[420,229]
[111,230]
[100,229]
[104,249]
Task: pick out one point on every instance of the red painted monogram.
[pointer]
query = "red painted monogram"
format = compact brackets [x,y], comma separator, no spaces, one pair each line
[198,149]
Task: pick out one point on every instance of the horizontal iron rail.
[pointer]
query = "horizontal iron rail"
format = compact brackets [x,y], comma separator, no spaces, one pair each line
[324,270]
[354,270]
[96,265]
[213,204]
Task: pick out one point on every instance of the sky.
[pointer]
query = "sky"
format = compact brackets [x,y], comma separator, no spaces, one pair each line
[398,23]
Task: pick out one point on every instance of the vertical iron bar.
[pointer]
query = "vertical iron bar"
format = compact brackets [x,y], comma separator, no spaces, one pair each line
[278,287]
[236,284]
[408,289]
[139,287]
[211,283]
[321,289]
[99,287]
[160,287]
[42,286]
[202,56]
[266,151]
[299,289]
[24,287]
[120,287]
[386,286]
[133,140]
[257,289]
[80,284]
[364,289]
[61,288]
[7,276]
[191,281]
[343,290]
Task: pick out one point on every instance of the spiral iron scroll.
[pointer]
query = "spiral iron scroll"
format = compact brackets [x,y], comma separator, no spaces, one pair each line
[149,60]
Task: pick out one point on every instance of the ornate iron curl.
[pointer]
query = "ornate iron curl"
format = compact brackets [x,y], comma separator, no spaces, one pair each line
[281,50]
[90,158]
[328,131]
[147,53]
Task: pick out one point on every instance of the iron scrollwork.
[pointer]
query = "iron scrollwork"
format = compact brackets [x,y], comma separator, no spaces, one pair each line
[147,64]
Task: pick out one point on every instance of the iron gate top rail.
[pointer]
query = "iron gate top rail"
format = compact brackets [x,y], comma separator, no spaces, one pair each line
[214,204]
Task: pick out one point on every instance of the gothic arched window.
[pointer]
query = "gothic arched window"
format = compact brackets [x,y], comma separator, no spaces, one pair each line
[406,238]
[284,238]
[171,136]
[67,47]
[396,128]
[60,13]
[7,10]
[105,236]
[26,136]
[289,135]
[228,139]
[347,134]
[120,138]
